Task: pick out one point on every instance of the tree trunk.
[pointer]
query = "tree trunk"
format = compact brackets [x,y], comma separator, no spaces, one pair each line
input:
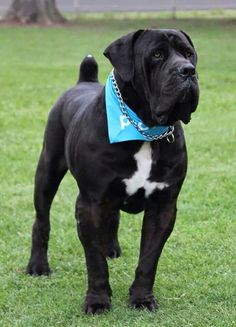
[34,11]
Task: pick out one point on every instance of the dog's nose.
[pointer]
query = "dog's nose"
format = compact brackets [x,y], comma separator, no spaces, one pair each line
[187,70]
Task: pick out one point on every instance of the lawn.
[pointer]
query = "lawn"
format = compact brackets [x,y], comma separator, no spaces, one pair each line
[196,280]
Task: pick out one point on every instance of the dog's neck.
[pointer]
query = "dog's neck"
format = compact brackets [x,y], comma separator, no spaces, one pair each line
[134,100]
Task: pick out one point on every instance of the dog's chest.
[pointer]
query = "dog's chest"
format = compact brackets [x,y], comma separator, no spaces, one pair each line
[140,179]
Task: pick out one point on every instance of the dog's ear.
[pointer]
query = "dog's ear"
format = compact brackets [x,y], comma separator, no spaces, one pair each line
[191,42]
[120,54]
[187,37]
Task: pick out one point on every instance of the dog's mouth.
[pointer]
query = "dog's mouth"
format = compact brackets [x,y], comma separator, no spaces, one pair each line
[180,112]
[185,103]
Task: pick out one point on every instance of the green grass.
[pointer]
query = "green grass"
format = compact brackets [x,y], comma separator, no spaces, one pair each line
[196,280]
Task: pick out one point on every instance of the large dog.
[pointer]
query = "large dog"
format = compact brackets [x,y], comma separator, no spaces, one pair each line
[152,88]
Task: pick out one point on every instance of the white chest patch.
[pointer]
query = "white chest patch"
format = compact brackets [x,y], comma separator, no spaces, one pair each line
[140,177]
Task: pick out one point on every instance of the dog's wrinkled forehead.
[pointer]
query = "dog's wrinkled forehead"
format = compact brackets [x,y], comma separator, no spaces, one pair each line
[176,35]
[152,38]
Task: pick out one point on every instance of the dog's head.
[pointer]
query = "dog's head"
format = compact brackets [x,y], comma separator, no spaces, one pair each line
[161,65]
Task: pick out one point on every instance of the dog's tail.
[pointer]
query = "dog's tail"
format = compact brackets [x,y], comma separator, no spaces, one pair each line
[88,70]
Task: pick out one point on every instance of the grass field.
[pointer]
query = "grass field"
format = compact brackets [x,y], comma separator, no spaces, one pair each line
[196,281]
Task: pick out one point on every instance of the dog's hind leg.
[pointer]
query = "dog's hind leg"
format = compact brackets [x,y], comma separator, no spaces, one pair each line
[50,171]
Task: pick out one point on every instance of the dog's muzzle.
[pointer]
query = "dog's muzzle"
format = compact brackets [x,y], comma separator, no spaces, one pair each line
[181,98]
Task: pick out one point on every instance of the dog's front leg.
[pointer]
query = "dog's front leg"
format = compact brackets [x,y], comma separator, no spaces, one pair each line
[90,230]
[157,226]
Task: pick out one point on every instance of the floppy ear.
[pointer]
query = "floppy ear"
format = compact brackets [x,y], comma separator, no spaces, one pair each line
[190,41]
[120,54]
[188,38]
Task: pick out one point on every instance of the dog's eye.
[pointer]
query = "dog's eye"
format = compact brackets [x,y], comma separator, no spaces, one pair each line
[188,54]
[158,55]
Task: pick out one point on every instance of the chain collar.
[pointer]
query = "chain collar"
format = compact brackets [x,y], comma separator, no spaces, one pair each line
[168,134]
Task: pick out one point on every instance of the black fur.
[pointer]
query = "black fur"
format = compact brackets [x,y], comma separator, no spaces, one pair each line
[155,70]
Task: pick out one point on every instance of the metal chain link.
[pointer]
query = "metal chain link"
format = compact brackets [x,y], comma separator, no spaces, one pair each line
[168,134]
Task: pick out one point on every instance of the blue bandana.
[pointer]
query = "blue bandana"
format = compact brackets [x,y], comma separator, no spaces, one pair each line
[120,126]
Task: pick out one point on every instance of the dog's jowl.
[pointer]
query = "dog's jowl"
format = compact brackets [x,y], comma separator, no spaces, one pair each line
[125,146]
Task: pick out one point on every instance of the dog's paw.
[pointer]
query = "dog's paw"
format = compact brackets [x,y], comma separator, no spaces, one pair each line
[113,251]
[38,268]
[146,302]
[97,304]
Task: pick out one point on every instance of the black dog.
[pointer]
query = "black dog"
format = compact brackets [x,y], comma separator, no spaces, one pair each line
[154,74]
